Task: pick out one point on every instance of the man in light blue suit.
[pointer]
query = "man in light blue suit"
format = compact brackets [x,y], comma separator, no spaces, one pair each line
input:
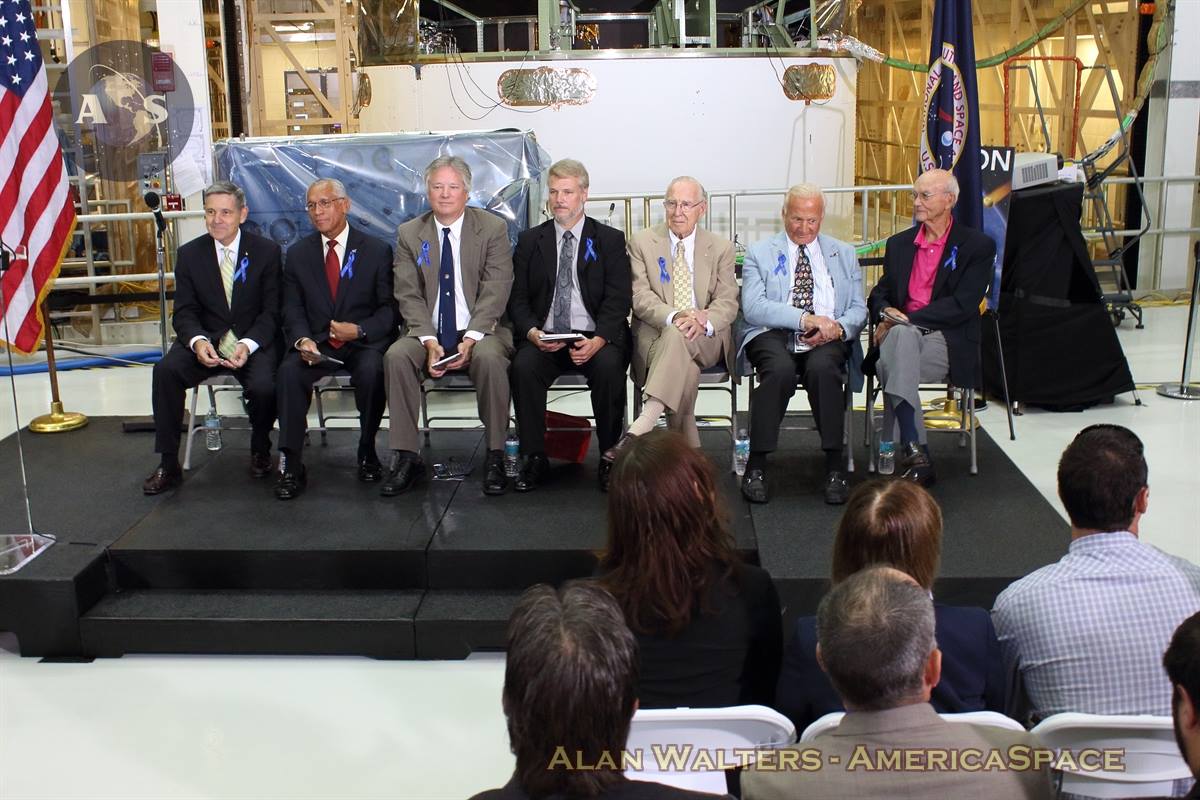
[802,298]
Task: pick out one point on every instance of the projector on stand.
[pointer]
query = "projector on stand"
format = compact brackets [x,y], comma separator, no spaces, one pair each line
[1034,169]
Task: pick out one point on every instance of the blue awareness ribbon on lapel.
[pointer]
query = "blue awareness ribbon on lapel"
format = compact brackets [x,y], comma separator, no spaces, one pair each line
[589,253]
[423,259]
[240,274]
[348,268]
[781,265]
[663,275]
[952,261]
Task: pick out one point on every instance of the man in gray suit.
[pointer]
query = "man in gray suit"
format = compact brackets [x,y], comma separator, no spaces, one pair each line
[802,297]
[875,640]
[453,275]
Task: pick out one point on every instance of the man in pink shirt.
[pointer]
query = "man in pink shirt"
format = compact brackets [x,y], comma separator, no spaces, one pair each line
[934,276]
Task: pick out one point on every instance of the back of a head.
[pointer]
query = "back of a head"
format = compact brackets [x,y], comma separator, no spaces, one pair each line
[875,634]
[1182,661]
[668,531]
[569,687]
[1100,476]
[889,522]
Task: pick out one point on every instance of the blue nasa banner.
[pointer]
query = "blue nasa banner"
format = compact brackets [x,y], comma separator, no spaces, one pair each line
[950,129]
[383,175]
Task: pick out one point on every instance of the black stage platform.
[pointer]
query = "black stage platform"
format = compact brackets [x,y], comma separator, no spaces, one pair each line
[220,566]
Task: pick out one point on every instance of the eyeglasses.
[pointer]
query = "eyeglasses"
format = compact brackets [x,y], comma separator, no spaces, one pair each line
[927,195]
[324,203]
[683,205]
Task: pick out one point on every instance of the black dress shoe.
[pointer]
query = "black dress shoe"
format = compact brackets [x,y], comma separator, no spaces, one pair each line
[260,465]
[533,472]
[291,483]
[405,471]
[494,480]
[754,486]
[370,470]
[837,489]
[162,479]
[916,466]
[609,456]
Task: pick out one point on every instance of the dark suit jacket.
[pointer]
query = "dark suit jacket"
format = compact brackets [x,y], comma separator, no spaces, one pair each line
[954,304]
[200,306]
[365,297]
[487,274]
[605,280]
[973,677]
[728,654]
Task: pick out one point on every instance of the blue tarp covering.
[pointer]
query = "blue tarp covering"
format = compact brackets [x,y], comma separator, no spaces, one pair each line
[383,174]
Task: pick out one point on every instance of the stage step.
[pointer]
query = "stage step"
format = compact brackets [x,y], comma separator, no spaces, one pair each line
[368,623]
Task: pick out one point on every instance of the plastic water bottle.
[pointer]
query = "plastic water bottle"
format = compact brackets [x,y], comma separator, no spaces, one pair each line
[741,452]
[212,430]
[512,455]
[887,458]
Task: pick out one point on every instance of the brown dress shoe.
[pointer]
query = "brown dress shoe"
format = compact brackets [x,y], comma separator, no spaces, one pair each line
[260,465]
[162,479]
[610,456]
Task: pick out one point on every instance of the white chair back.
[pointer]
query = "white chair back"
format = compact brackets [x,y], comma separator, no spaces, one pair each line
[990,718]
[1150,764]
[691,747]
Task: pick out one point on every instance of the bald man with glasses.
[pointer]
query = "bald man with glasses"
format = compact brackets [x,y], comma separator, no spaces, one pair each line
[685,299]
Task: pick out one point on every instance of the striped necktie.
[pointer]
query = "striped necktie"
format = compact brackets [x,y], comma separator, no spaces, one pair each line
[228,342]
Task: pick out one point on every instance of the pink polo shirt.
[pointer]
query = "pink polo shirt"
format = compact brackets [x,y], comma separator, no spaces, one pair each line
[924,269]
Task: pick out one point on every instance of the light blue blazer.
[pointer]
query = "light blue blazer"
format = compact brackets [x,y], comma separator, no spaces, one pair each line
[767,293]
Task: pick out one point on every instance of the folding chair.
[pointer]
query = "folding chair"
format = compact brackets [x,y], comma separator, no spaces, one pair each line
[712,379]
[847,423]
[217,383]
[672,744]
[993,719]
[1150,764]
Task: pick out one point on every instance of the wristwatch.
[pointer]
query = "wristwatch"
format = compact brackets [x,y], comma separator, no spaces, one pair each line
[361,333]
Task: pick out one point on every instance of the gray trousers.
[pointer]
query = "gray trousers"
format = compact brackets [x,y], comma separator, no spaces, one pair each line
[404,369]
[908,358]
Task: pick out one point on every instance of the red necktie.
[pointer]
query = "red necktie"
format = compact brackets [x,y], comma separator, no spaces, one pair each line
[332,270]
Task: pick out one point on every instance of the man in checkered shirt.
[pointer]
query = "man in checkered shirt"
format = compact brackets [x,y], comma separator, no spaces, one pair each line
[1088,632]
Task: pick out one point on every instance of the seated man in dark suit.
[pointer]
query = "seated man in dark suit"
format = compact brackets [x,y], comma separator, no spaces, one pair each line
[226,319]
[337,303]
[934,277]
[453,274]
[570,275]
[570,690]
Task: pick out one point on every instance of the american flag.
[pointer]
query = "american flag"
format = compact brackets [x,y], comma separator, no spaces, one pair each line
[37,215]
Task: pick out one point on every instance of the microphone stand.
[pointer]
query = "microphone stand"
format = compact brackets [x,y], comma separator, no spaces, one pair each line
[160,256]
[17,549]
[1185,390]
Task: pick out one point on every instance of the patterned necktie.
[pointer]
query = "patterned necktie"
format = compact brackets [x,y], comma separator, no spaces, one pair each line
[333,275]
[681,279]
[228,342]
[802,289]
[564,280]
[447,322]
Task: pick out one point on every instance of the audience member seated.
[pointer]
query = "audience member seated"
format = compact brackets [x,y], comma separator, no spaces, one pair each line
[1182,663]
[1086,632]
[876,642]
[708,626]
[569,697]
[900,524]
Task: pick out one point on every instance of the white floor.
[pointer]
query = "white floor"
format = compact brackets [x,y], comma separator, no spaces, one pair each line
[156,727]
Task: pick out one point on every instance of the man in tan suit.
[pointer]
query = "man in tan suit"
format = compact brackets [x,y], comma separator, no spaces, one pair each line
[453,275]
[875,640]
[685,298]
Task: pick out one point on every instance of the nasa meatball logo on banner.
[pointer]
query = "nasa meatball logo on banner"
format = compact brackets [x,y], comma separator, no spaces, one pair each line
[126,99]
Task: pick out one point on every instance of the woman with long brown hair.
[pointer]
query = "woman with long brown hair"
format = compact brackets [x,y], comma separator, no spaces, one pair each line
[708,626]
[897,523]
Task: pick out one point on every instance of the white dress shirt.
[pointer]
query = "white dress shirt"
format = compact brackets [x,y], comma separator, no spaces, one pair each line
[689,255]
[462,314]
[581,320]
[823,296]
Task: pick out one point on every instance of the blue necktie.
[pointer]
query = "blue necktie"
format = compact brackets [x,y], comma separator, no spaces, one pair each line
[447,318]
